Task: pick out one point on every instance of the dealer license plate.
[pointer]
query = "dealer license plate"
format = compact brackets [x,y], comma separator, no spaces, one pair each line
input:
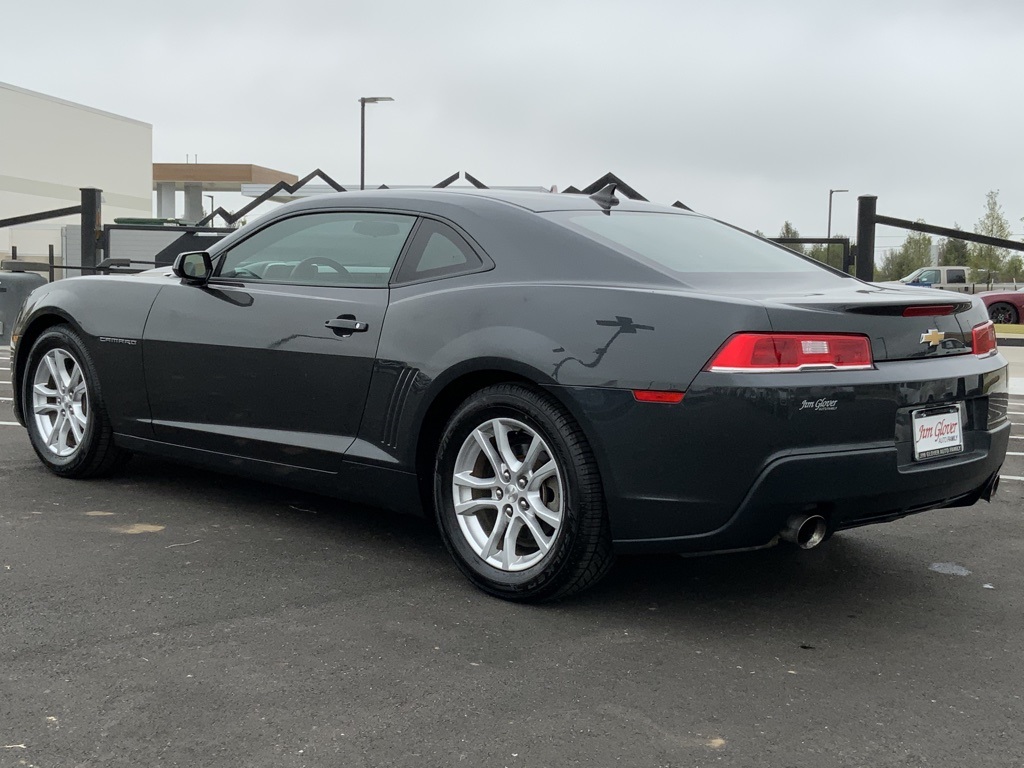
[938,431]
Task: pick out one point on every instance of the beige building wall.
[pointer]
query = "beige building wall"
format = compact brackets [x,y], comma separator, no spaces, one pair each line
[50,148]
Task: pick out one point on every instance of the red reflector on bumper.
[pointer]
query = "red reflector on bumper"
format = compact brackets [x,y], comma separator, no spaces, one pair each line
[657,396]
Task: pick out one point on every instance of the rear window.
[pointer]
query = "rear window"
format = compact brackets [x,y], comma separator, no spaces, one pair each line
[683,243]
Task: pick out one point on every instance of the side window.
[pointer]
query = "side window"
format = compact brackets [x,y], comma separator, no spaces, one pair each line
[437,251]
[930,276]
[350,249]
[956,276]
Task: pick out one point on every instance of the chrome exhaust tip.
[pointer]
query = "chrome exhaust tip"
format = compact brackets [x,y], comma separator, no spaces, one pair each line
[806,531]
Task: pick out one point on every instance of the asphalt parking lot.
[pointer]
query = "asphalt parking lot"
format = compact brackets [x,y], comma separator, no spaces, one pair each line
[177,617]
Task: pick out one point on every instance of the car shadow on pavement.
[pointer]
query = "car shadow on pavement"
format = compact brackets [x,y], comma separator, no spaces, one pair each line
[258,502]
[855,575]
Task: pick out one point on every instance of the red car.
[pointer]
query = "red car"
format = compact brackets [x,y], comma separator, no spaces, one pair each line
[1004,306]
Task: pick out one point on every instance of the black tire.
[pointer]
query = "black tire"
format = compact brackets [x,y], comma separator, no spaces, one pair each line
[95,454]
[1003,313]
[580,551]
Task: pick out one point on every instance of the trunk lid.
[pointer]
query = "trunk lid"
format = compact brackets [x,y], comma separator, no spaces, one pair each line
[902,323]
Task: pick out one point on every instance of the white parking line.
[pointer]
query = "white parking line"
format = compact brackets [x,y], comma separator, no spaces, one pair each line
[1015,453]
[9,424]
[6,399]
[1011,477]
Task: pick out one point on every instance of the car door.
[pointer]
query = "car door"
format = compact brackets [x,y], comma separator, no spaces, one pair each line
[271,360]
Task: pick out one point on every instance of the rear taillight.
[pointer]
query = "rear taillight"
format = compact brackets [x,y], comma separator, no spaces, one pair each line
[983,339]
[785,352]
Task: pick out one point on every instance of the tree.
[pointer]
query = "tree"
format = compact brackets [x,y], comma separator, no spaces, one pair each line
[988,261]
[1015,264]
[788,230]
[1014,267]
[827,254]
[953,252]
[916,252]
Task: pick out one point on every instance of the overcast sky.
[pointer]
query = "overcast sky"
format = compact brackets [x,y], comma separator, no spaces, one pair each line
[748,111]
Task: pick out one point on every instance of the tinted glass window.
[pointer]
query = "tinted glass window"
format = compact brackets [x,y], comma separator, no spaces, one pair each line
[683,243]
[322,249]
[439,253]
[436,251]
[956,276]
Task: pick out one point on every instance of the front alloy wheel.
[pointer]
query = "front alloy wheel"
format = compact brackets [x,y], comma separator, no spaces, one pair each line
[66,419]
[60,402]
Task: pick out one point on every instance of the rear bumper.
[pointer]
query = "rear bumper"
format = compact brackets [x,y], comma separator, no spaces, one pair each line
[849,488]
[729,465]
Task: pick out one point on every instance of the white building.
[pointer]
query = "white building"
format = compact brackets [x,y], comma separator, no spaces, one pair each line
[51,148]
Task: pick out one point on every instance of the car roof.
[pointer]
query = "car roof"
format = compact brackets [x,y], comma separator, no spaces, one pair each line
[537,202]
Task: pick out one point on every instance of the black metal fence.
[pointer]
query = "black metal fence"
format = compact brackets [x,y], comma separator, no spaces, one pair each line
[96,238]
[868,218]
[159,243]
[50,267]
[89,210]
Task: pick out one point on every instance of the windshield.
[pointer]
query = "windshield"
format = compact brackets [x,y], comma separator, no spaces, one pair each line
[684,243]
[912,276]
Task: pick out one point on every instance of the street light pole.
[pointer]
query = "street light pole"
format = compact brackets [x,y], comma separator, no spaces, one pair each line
[830,193]
[363,101]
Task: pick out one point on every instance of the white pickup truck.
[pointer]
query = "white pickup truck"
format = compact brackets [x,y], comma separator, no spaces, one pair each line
[951,279]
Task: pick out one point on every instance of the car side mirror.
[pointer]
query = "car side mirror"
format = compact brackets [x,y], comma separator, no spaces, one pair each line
[194,267]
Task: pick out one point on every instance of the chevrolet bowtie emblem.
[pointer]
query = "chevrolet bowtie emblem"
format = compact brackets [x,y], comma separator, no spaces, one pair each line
[933,337]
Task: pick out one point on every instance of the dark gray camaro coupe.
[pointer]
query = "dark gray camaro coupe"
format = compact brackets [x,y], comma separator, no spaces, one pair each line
[554,377]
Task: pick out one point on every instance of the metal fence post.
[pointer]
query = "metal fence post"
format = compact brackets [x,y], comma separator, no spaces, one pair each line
[92,228]
[51,262]
[866,208]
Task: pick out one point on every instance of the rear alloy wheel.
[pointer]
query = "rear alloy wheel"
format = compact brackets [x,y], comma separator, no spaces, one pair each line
[66,421]
[1002,313]
[519,498]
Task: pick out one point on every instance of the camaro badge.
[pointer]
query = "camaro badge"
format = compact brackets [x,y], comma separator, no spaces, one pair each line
[933,337]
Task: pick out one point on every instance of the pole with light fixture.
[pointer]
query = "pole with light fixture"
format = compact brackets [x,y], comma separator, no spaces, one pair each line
[363,101]
[830,193]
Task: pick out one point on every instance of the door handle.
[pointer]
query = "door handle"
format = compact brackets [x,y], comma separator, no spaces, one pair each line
[346,323]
